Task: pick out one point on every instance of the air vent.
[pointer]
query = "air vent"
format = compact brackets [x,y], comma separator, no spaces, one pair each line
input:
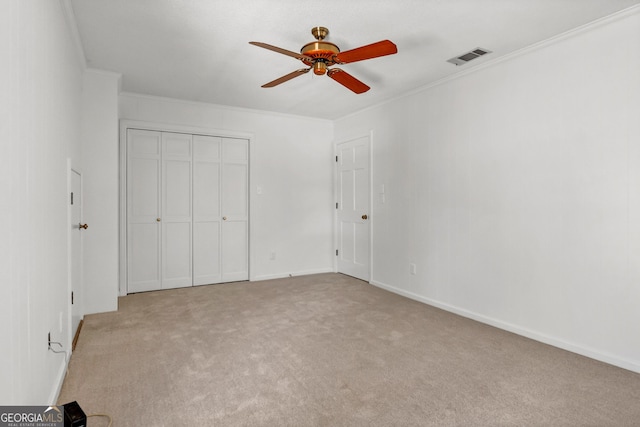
[468,56]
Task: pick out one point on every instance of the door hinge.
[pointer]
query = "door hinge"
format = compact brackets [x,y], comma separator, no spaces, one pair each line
[336,159]
[72,197]
[336,205]
[336,252]
[72,297]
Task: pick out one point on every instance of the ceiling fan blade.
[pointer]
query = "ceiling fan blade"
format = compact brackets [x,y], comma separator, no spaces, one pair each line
[374,50]
[287,77]
[347,80]
[282,51]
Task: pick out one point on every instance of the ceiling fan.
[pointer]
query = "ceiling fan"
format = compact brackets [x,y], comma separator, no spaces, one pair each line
[320,55]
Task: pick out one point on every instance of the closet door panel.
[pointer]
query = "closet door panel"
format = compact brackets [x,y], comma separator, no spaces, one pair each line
[143,210]
[207,148]
[176,255]
[206,253]
[234,194]
[144,260]
[176,210]
[235,209]
[234,251]
[177,194]
[206,210]
[177,145]
[145,197]
[206,191]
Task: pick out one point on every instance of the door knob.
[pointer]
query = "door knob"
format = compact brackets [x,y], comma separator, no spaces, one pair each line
[364,216]
[158,219]
[224,218]
[85,226]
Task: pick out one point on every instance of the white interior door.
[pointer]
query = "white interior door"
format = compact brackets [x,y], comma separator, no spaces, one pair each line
[143,210]
[353,208]
[176,215]
[77,309]
[207,216]
[235,210]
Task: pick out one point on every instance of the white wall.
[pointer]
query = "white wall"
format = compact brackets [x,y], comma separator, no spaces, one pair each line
[100,190]
[40,84]
[290,161]
[515,189]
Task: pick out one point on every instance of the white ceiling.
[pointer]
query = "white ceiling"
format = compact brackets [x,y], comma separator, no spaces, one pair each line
[198,49]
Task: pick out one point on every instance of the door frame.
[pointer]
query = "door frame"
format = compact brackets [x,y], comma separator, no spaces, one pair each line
[125,125]
[369,137]
[70,171]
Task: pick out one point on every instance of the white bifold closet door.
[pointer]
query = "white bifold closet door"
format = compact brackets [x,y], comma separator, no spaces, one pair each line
[221,210]
[235,210]
[175,216]
[187,210]
[143,210]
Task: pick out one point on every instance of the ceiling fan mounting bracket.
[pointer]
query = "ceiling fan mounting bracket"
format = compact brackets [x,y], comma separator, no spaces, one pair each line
[320,32]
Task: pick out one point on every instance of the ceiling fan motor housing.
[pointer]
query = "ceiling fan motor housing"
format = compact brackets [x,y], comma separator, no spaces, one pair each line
[323,54]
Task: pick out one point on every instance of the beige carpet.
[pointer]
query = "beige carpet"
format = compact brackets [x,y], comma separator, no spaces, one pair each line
[328,350]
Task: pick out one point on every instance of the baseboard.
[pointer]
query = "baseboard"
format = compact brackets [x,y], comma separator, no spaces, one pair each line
[62,372]
[76,336]
[292,274]
[53,399]
[519,330]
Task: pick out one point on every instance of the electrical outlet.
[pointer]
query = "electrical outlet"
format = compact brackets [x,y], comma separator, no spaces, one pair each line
[412,269]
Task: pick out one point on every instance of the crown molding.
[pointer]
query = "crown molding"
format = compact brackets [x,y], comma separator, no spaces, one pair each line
[157,98]
[617,16]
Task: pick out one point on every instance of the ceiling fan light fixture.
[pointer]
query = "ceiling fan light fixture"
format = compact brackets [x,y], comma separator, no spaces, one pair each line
[319,68]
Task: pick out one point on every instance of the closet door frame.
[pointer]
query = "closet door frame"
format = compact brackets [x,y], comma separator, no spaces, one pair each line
[125,125]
